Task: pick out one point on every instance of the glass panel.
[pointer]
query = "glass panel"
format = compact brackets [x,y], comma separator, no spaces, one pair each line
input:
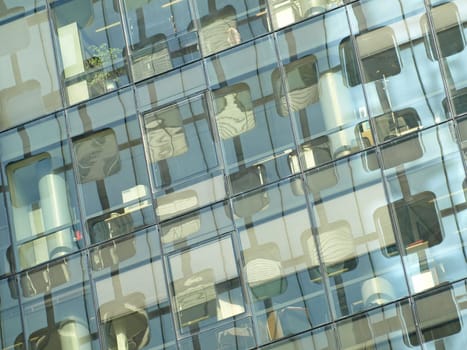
[272,222]
[27,64]
[428,206]
[64,319]
[361,272]
[442,326]
[311,89]
[236,335]
[200,225]
[180,142]
[225,23]
[285,12]
[168,88]
[384,328]
[41,197]
[133,305]
[448,46]
[434,323]
[319,339]
[111,167]
[254,138]
[90,40]
[160,36]
[10,315]
[396,72]
[205,285]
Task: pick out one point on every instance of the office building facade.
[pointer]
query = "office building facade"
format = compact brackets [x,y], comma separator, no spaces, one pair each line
[219,174]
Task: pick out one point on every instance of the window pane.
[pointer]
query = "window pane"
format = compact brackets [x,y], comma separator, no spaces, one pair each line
[397,74]
[197,226]
[206,285]
[226,23]
[10,315]
[273,222]
[449,47]
[255,139]
[358,260]
[428,205]
[27,64]
[384,328]
[41,198]
[237,335]
[319,339]
[66,318]
[287,12]
[133,304]
[160,36]
[180,142]
[111,171]
[90,41]
[311,89]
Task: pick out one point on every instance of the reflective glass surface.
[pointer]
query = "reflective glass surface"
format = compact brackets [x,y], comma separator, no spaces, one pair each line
[273,224]
[221,24]
[10,315]
[388,47]
[133,303]
[311,89]
[64,319]
[90,44]
[425,188]
[255,139]
[286,12]
[445,42]
[205,285]
[160,35]
[218,174]
[29,72]
[41,198]
[112,178]
[358,259]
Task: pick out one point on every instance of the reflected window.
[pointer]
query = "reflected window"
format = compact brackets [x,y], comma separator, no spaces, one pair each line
[206,290]
[234,110]
[378,52]
[337,249]
[302,85]
[264,271]
[165,133]
[97,155]
[438,316]
[395,124]
[449,31]
[451,41]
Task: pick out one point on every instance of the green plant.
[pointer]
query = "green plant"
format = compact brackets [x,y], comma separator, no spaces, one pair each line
[101,58]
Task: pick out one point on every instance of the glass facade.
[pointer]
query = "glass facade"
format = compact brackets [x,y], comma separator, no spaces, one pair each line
[219,174]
